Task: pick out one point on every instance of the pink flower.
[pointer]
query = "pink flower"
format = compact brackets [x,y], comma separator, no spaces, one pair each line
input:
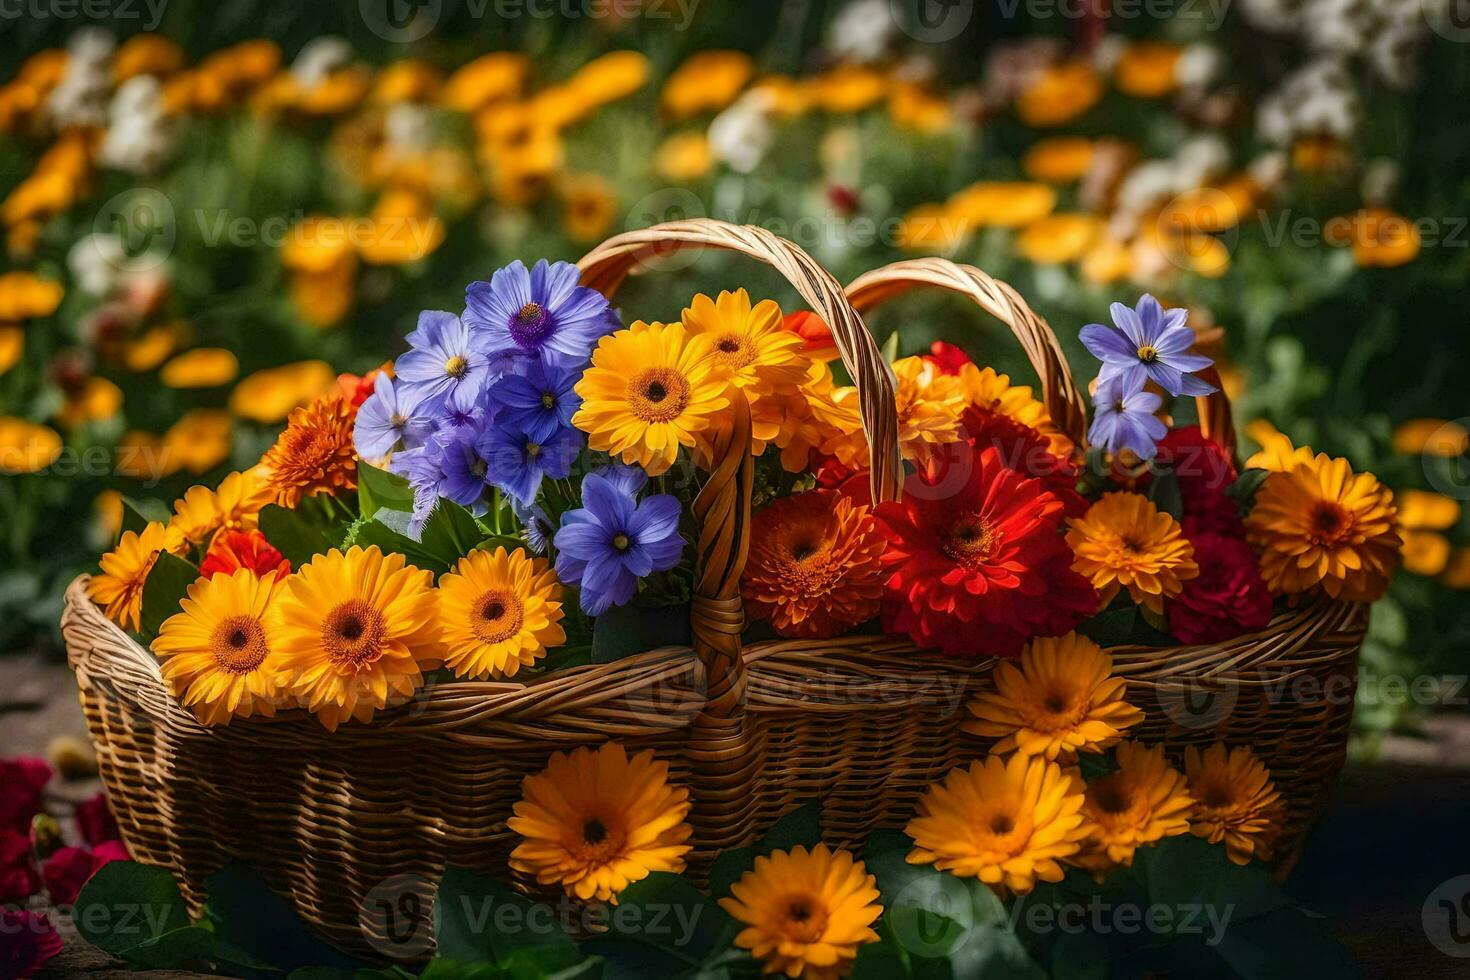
[95,821]
[22,781]
[27,941]
[70,868]
[18,877]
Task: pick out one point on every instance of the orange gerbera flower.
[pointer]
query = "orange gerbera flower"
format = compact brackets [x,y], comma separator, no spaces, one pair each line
[1235,800]
[814,568]
[1322,525]
[119,586]
[1125,541]
[1143,802]
[314,455]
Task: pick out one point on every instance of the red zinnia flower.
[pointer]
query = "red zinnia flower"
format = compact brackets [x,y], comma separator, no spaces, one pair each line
[977,562]
[947,357]
[1024,449]
[18,878]
[94,819]
[231,551]
[70,868]
[21,782]
[1228,598]
[815,334]
[1205,471]
[854,484]
[357,388]
[27,941]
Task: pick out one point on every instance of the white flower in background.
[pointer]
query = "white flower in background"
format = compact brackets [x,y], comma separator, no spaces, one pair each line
[1277,16]
[1318,99]
[80,98]
[862,31]
[1199,66]
[408,129]
[96,263]
[917,68]
[1394,54]
[1199,159]
[141,135]
[1106,52]
[1269,169]
[742,134]
[1337,26]
[1380,181]
[319,59]
[1150,183]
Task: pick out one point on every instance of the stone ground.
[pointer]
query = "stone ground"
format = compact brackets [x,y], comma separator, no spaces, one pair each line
[1378,866]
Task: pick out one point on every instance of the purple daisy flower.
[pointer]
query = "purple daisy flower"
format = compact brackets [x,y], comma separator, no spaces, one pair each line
[423,468]
[392,413]
[544,308]
[444,365]
[613,541]
[519,460]
[537,396]
[536,524]
[466,468]
[1148,343]
[1123,419]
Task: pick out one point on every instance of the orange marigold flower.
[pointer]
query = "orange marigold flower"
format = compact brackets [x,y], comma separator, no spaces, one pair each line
[814,568]
[1124,541]
[1143,802]
[1322,525]
[314,455]
[1235,800]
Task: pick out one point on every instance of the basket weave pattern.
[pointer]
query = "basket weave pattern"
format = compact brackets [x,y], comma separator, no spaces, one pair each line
[863,722]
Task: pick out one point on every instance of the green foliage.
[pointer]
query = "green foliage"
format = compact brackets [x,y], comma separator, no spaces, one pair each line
[168,583]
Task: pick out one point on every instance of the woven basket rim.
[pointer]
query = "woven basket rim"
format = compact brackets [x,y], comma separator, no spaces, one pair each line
[841,658]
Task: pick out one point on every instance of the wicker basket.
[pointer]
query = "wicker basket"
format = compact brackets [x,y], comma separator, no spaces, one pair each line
[865,723]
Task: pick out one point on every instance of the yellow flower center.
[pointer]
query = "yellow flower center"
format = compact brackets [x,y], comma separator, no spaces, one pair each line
[353,634]
[456,366]
[1148,354]
[533,449]
[658,395]
[733,350]
[971,540]
[238,644]
[803,918]
[621,542]
[496,616]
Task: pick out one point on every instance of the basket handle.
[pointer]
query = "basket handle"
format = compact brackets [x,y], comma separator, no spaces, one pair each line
[1059,392]
[1216,421]
[722,507]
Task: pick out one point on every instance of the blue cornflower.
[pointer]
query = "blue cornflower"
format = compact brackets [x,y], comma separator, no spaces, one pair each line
[614,540]
[393,412]
[537,395]
[1148,343]
[1123,419]
[423,468]
[444,365]
[537,525]
[540,309]
[519,460]
[466,467]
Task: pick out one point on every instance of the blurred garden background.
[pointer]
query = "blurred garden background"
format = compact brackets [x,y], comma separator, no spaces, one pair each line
[211,209]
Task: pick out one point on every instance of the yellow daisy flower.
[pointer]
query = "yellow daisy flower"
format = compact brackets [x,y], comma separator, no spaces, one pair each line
[930,407]
[595,821]
[1007,822]
[1062,699]
[26,447]
[706,82]
[1277,454]
[805,913]
[119,586]
[651,388]
[357,632]
[314,454]
[202,367]
[1125,541]
[990,392]
[235,505]
[219,653]
[499,612]
[1234,800]
[1142,802]
[1322,525]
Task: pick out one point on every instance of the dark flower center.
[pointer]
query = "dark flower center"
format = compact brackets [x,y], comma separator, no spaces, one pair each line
[530,325]
[238,645]
[620,542]
[353,634]
[593,832]
[1108,797]
[971,540]
[1001,824]
[548,399]
[1329,522]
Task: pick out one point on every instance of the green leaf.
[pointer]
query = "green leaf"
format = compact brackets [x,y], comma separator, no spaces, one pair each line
[667,912]
[1166,494]
[891,348]
[375,532]
[138,514]
[378,489]
[1186,871]
[624,631]
[126,904]
[168,583]
[801,826]
[255,926]
[450,533]
[1286,944]
[191,944]
[885,839]
[479,920]
[1111,627]
[299,534]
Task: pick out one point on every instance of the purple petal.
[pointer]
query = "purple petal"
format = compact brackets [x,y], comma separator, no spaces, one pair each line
[1107,344]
